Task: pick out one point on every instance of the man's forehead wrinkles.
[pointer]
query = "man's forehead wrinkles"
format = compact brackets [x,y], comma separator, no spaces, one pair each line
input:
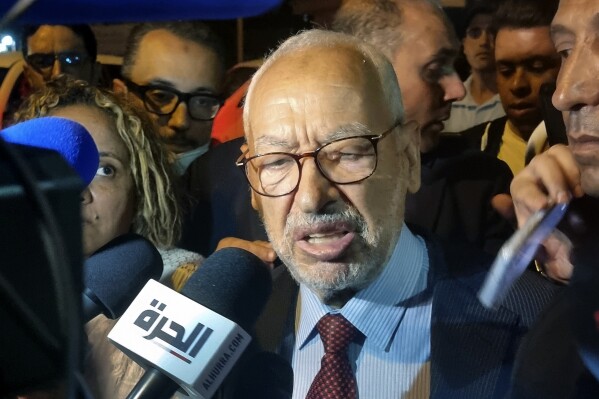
[345,130]
[272,140]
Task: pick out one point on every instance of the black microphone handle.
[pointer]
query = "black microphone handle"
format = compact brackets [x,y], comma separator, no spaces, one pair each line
[153,385]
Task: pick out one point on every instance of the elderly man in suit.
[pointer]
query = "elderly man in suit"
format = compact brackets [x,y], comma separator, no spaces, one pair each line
[330,159]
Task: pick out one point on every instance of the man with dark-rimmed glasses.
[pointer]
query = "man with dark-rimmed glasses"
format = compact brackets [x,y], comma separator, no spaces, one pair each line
[330,158]
[175,70]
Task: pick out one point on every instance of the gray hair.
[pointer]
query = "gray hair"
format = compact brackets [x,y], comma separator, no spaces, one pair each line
[318,39]
[378,22]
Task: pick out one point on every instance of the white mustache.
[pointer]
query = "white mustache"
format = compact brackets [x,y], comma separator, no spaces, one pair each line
[349,216]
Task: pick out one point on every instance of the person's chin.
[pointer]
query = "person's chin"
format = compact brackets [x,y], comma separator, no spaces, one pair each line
[589,176]
[180,147]
[429,137]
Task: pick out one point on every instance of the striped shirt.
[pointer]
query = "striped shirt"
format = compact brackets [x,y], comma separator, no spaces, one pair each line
[393,313]
[466,113]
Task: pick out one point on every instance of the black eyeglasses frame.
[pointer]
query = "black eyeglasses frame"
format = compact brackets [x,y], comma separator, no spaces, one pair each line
[141,90]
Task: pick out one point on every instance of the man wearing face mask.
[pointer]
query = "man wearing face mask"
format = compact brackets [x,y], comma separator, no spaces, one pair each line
[174,70]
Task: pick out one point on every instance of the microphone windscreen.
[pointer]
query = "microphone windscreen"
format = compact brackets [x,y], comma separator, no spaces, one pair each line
[266,375]
[233,283]
[114,275]
[68,138]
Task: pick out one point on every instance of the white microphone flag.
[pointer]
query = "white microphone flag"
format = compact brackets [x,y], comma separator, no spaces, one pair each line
[186,341]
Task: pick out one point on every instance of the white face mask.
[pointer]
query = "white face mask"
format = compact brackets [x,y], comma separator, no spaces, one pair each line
[184,159]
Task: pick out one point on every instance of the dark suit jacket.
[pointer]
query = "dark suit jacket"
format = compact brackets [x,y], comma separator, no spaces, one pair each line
[220,195]
[454,199]
[549,363]
[473,136]
[472,348]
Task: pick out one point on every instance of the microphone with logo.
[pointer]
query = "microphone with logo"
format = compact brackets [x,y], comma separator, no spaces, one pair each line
[115,274]
[64,136]
[192,341]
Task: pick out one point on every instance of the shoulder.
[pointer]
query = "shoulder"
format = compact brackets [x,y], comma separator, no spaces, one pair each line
[463,269]
[476,132]
[471,163]
[178,265]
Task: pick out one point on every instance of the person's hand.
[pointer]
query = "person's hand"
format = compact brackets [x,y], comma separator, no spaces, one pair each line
[550,178]
[553,259]
[262,249]
[504,205]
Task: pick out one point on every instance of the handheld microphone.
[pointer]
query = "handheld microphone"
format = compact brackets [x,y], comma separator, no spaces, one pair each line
[114,275]
[64,136]
[193,341]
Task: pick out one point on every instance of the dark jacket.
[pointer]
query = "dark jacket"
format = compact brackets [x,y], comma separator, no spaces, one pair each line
[472,348]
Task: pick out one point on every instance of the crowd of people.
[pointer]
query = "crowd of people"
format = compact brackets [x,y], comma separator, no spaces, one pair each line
[382,240]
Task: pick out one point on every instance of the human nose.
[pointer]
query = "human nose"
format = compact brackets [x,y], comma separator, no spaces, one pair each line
[577,82]
[519,84]
[56,68]
[486,38]
[453,88]
[314,191]
[179,119]
[86,196]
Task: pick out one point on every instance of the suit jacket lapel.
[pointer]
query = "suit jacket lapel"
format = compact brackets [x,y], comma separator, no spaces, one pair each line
[472,348]
[275,327]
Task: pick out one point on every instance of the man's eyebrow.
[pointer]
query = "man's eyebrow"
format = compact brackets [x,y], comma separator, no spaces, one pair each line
[445,53]
[272,141]
[349,130]
[343,131]
[166,83]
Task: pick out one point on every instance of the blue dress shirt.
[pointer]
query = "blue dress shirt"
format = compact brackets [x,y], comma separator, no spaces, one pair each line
[394,315]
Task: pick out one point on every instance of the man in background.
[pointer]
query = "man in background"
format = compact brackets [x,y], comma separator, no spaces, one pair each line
[49,50]
[481,102]
[525,60]
[175,70]
[454,200]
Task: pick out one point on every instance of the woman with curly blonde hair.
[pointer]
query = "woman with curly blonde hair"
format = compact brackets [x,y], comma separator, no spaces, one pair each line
[133,191]
[156,210]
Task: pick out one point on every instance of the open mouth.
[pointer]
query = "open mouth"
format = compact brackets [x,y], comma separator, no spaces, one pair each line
[325,244]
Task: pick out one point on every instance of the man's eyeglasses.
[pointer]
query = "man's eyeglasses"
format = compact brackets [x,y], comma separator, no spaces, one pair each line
[163,100]
[343,161]
[475,32]
[43,62]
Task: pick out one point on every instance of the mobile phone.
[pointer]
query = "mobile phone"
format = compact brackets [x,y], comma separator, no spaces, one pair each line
[517,253]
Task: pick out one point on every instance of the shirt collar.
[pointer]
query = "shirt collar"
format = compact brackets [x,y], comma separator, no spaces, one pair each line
[184,159]
[386,298]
